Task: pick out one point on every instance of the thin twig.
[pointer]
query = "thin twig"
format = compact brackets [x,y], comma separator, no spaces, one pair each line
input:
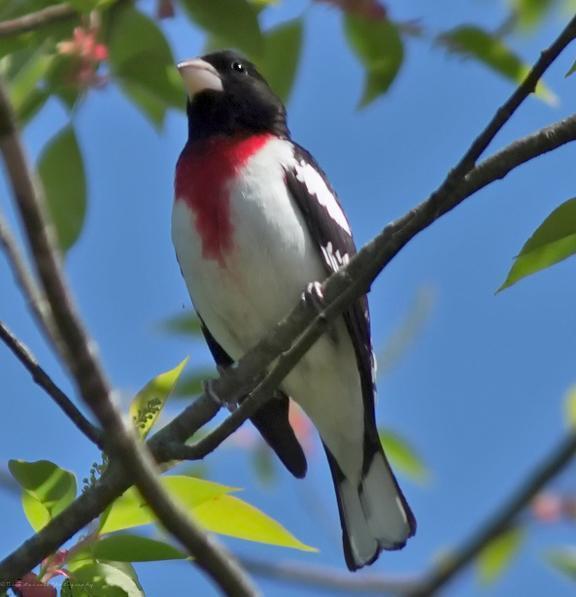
[38,19]
[357,276]
[37,304]
[202,410]
[340,289]
[395,236]
[507,109]
[94,500]
[439,576]
[325,578]
[23,354]
[80,357]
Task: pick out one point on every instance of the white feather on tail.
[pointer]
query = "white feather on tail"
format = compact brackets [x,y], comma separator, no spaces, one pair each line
[374,514]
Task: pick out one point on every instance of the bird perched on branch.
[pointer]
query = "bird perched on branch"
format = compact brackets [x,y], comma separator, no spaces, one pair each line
[255,222]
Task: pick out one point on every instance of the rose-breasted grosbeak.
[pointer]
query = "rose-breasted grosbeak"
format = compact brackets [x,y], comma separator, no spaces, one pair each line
[255,221]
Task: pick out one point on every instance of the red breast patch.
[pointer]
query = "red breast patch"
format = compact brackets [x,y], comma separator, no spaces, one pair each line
[203,175]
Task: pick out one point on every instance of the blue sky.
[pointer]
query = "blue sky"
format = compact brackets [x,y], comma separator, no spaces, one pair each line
[479,394]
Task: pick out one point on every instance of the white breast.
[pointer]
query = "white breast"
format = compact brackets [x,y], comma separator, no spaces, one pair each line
[272,260]
[261,280]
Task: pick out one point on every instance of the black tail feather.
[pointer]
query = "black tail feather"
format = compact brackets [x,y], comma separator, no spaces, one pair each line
[272,422]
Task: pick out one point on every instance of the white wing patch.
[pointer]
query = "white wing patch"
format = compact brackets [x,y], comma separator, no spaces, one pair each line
[309,176]
[334,258]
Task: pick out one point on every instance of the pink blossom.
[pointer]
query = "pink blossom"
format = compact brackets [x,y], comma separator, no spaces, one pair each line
[86,53]
[84,45]
[547,507]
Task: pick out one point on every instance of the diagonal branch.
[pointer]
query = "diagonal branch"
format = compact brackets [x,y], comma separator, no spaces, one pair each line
[507,109]
[45,382]
[304,323]
[36,301]
[79,355]
[307,325]
[38,19]
[278,349]
[556,461]
[326,579]
[201,411]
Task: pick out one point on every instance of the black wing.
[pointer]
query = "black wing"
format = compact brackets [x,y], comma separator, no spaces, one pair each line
[327,224]
[271,420]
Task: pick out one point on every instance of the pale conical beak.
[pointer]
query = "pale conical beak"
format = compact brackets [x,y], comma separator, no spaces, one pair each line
[199,75]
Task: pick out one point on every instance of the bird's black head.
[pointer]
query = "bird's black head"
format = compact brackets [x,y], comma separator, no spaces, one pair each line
[228,96]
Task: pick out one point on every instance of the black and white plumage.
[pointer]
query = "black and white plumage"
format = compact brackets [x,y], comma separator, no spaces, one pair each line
[255,221]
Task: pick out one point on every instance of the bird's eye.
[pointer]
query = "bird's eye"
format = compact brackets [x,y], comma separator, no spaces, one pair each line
[238,67]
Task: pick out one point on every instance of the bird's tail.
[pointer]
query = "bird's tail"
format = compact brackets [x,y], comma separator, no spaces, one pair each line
[374,513]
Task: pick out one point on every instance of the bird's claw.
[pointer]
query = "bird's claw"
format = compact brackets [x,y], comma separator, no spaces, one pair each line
[314,296]
[209,390]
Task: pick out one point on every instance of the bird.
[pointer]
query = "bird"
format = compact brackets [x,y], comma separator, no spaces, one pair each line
[255,221]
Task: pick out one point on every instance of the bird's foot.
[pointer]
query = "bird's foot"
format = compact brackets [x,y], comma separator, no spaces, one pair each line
[209,390]
[231,399]
[314,296]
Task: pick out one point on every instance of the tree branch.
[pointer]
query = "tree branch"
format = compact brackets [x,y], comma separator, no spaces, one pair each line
[201,411]
[79,355]
[506,110]
[305,323]
[325,578]
[36,20]
[438,577]
[340,289]
[40,376]
[37,303]
[95,500]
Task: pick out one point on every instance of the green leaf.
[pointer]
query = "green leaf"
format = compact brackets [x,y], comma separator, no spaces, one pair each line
[37,514]
[25,95]
[564,560]
[474,42]
[152,75]
[134,548]
[130,509]
[572,70]
[531,12]
[402,455]
[264,463]
[210,506]
[553,241]
[147,102]
[279,63]
[84,6]
[105,579]
[61,170]
[61,80]
[570,407]
[11,45]
[145,71]
[33,103]
[150,400]
[230,516]
[125,38]
[187,324]
[378,45]
[233,21]
[47,489]
[498,554]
